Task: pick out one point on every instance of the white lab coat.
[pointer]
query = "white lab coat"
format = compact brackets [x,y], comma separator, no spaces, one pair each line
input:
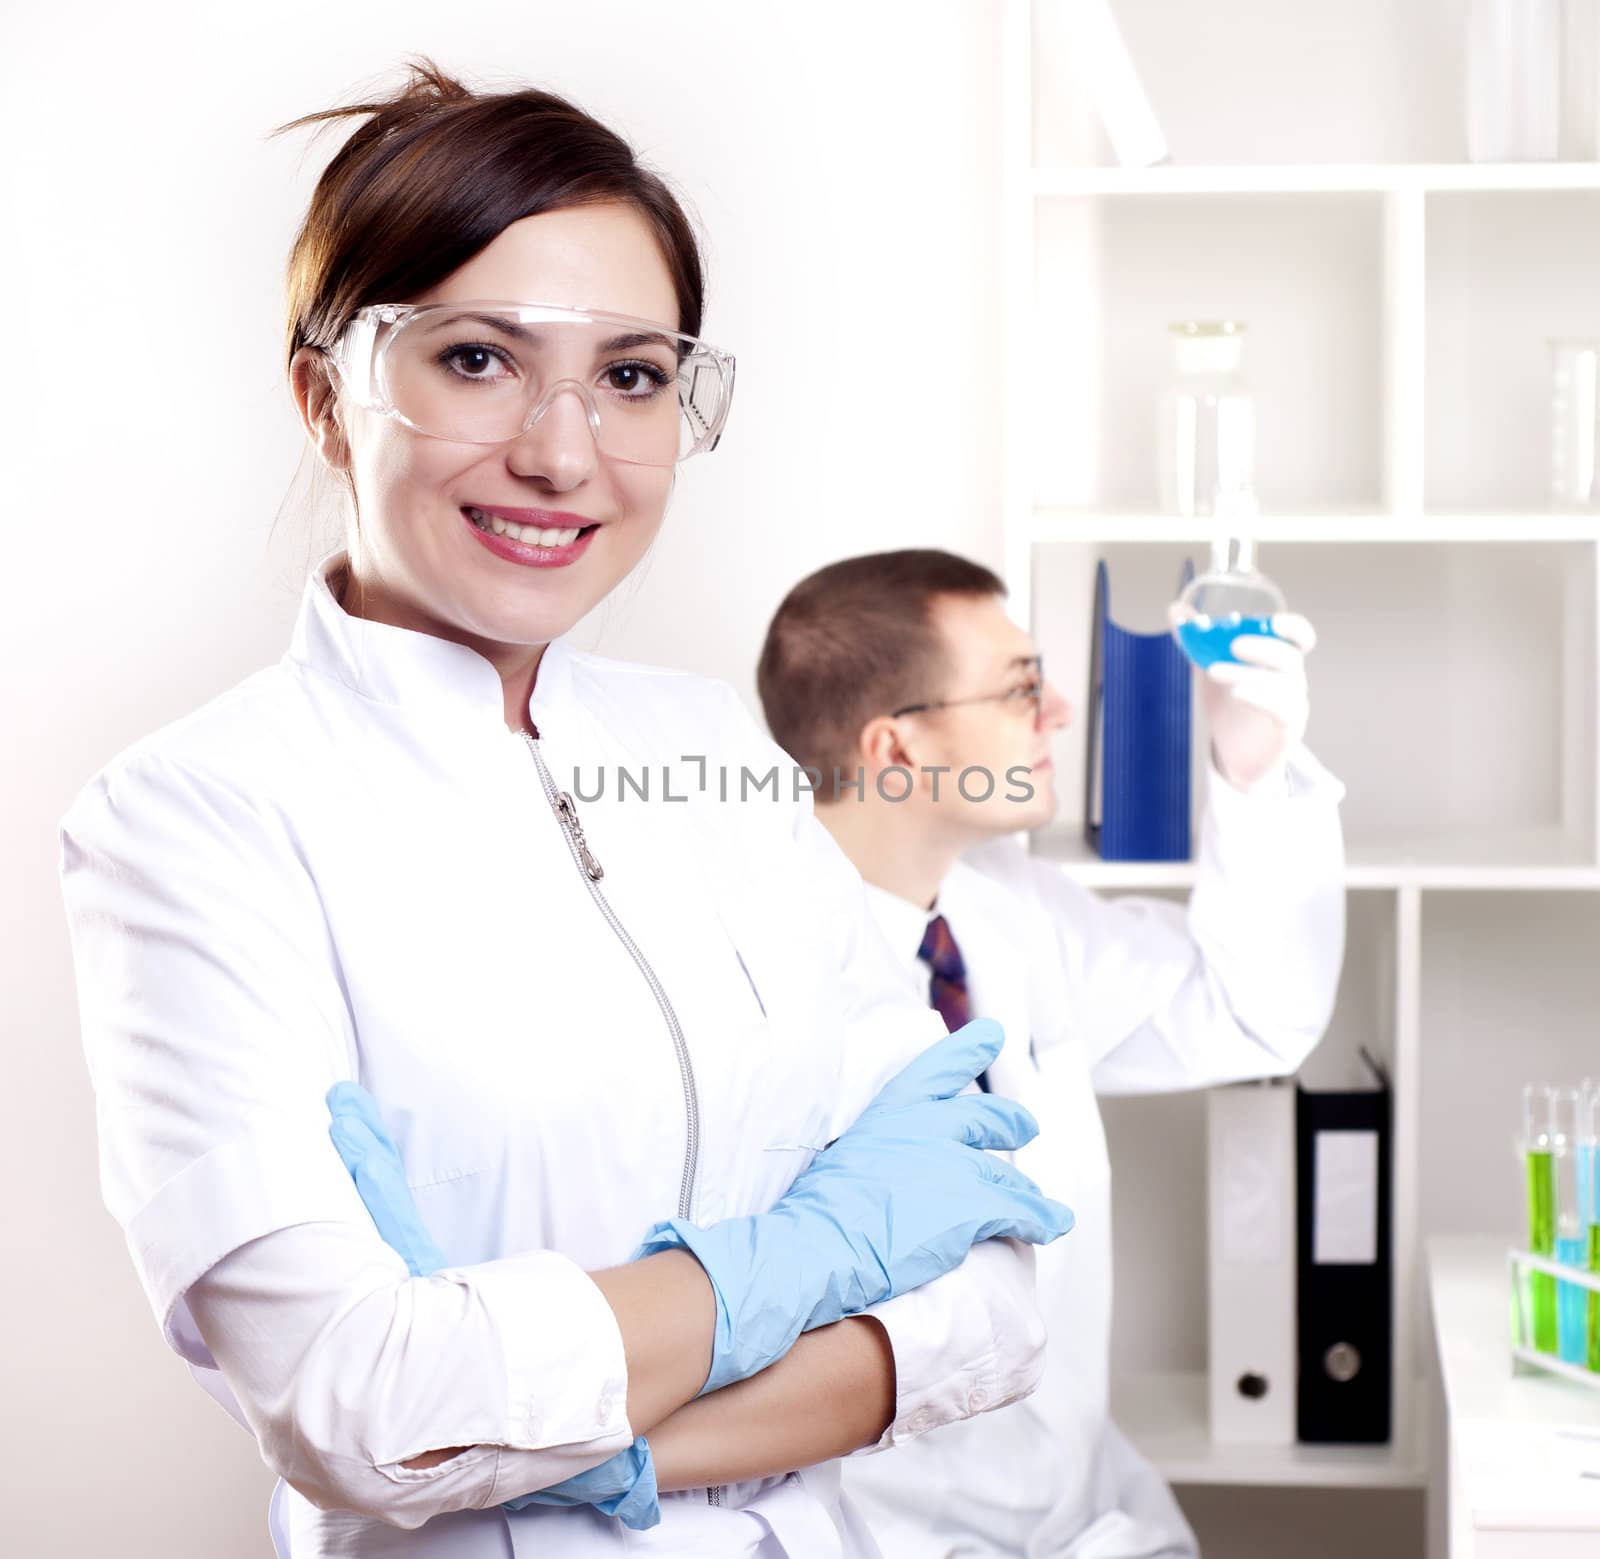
[348,867]
[1130,995]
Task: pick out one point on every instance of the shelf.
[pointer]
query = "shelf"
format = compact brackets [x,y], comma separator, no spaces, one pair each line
[1317,179]
[1166,1418]
[1452,692]
[1527,860]
[1397,315]
[1110,277]
[1505,997]
[1059,526]
[1502,273]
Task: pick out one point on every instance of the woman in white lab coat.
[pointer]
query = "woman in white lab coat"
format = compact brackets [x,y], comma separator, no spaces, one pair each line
[582,1021]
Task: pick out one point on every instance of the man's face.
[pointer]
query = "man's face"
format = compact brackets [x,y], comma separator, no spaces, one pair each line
[988,654]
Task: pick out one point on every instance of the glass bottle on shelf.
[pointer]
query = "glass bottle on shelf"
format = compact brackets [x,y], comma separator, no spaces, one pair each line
[1514,80]
[1574,422]
[1208,421]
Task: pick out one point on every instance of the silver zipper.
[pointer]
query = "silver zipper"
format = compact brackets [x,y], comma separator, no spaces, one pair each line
[566,811]
[583,857]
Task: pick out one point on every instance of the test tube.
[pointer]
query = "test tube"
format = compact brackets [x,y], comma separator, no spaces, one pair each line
[1583,1138]
[1538,1154]
[1589,1206]
[1572,1232]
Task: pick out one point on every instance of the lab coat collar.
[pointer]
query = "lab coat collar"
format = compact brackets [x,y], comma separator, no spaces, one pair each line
[402,666]
[902,922]
[962,899]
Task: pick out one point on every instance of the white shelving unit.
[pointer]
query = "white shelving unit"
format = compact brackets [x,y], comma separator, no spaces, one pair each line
[1397,316]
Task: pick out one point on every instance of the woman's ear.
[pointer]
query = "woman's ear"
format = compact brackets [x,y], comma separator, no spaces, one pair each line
[316,398]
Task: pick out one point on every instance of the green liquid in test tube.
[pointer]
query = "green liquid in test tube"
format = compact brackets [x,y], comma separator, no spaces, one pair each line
[1542,1242]
[1538,1105]
[1594,1299]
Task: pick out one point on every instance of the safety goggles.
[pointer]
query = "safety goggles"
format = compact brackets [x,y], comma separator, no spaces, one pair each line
[485,372]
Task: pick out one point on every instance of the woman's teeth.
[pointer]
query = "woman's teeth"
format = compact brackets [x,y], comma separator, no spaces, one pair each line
[529,535]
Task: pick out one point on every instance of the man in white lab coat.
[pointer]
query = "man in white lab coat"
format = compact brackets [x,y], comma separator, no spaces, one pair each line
[900,678]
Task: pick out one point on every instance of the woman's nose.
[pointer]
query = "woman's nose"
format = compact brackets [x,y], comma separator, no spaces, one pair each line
[559,446]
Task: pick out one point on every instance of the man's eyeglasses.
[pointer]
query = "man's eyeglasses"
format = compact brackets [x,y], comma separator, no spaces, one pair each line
[1028,695]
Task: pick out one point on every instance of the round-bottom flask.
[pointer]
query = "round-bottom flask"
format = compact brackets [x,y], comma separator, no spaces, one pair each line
[1227,602]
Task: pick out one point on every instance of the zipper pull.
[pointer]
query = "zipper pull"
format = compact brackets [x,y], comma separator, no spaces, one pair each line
[567,811]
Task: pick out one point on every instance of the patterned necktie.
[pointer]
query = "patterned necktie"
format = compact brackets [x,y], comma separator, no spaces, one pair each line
[947,990]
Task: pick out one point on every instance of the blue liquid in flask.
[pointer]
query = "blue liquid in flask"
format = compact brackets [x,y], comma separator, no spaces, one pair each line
[1206,640]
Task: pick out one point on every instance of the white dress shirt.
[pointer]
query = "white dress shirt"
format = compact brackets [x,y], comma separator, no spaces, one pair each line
[347,867]
[1126,995]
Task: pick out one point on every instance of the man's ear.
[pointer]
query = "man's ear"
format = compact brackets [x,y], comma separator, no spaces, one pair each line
[316,398]
[881,745]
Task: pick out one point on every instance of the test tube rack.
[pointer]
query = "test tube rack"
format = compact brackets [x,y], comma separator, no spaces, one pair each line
[1522,1262]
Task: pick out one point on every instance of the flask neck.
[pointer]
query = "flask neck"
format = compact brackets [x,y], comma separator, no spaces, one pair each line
[1233,555]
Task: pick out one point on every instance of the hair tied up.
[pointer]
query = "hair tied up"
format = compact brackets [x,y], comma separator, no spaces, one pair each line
[429,85]
[436,174]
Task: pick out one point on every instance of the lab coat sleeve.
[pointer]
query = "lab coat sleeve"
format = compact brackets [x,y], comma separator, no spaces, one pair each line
[1240,983]
[973,1339]
[213,1024]
[965,1344]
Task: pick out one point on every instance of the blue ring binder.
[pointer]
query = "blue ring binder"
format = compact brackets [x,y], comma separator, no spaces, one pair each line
[1137,784]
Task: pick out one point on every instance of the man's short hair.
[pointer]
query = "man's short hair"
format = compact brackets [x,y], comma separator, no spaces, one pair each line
[856,640]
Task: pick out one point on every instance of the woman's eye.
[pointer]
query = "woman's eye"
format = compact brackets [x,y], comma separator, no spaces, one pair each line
[471,361]
[636,381]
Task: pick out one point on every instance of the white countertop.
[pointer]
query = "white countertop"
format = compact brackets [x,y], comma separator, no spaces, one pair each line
[1524,1447]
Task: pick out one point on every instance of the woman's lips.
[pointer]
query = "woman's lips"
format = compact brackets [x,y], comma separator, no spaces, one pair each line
[530,554]
[539,519]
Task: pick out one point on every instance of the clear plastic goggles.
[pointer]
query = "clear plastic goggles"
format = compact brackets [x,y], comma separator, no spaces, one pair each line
[485,372]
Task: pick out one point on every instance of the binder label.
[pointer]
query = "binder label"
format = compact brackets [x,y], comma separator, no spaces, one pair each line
[1345,1224]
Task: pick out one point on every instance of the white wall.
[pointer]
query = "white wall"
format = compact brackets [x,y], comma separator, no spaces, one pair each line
[841,157]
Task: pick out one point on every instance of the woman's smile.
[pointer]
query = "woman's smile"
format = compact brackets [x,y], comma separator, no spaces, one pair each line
[533,538]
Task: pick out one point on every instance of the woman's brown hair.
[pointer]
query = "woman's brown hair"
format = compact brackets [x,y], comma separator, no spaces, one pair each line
[436,174]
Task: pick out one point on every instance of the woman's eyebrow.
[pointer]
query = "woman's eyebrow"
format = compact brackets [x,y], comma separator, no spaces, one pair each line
[636,338]
[509,327]
[500,322]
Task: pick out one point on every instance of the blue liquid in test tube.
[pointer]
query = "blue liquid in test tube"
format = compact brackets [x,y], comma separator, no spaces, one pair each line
[1589,1213]
[1572,1229]
[1572,1302]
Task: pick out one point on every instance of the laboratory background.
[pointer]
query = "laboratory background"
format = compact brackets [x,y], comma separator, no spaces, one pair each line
[970,254]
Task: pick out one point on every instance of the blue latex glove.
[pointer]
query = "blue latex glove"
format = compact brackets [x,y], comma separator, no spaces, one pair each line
[623,1486]
[374,1163]
[895,1202]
